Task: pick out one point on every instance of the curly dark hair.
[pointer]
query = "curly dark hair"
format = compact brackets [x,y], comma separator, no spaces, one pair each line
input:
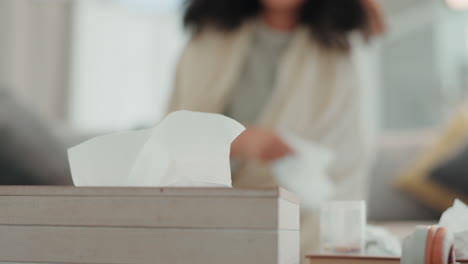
[330,21]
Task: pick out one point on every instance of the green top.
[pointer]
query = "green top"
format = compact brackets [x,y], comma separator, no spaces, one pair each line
[257,78]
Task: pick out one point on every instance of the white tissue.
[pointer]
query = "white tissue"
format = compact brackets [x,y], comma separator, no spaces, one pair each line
[455,219]
[186,149]
[380,242]
[305,172]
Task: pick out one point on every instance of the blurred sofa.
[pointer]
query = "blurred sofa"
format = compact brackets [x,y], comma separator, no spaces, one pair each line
[395,152]
[30,153]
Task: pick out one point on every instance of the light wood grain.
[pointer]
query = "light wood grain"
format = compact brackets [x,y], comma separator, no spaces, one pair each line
[179,212]
[288,215]
[133,245]
[288,247]
[143,191]
[65,225]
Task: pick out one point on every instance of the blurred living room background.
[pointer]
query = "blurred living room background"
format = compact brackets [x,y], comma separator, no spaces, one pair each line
[95,66]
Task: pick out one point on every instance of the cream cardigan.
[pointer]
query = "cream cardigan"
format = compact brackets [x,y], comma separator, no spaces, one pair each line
[320,95]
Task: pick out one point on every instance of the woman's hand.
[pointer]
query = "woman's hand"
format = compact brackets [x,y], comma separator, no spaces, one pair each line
[259,144]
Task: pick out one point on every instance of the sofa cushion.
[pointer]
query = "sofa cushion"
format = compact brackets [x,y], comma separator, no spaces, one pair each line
[453,172]
[396,151]
[416,180]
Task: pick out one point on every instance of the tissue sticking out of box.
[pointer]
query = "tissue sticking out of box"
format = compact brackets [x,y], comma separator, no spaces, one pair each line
[305,172]
[456,220]
[186,149]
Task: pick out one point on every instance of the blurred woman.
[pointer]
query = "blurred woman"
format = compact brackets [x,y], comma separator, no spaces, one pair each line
[283,65]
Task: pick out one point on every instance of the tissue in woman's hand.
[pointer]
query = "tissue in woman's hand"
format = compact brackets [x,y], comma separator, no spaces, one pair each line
[305,171]
[186,149]
[456,220]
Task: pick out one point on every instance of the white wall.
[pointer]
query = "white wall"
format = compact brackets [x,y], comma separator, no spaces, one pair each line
[422,58]
[34,53]
[123,63]
[3,44]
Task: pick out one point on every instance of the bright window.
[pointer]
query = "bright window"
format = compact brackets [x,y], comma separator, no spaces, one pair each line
[123,59]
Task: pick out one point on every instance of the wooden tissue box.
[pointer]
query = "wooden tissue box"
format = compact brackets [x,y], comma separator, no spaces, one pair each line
[148,225]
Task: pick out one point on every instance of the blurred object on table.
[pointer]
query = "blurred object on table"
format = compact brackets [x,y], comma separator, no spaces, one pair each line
[30,153]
